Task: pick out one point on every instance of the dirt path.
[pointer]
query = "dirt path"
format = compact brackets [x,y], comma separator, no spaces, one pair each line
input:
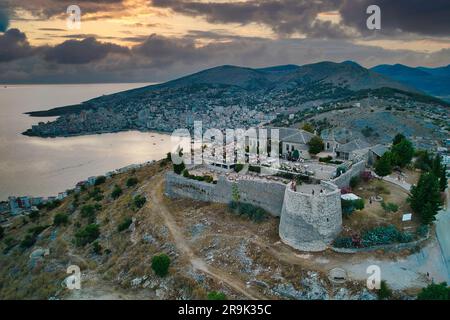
[156,193]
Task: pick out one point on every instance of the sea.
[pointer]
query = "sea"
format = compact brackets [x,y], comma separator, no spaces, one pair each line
[45,166]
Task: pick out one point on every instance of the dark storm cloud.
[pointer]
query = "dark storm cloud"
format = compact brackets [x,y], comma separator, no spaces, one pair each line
[81,52]
[430,18]
[14,45]
[283,16]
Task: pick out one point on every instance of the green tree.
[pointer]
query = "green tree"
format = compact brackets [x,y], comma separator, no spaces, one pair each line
[125,224]
[435,292]
[425,198]
[308,127]
[217,295]
[60,218]
[402,153]
[117,192]
[398,138]
[131,182]
[315,145]
[100,180]
[439,170]
[383,166]
[295,154]
[423,160]
[97,248]
[139,201]
[160,264]
[86,235]
[384,292]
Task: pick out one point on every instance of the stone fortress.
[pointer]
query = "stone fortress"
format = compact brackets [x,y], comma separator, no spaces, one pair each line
[310,216]
[310,213]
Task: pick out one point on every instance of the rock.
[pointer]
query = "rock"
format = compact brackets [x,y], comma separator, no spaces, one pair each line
[136,282]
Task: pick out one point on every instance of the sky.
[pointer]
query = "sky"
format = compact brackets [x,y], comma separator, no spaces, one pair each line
[159,40]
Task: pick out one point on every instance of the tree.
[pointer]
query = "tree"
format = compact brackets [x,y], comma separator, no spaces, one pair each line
[308,127]
[398,138]
[425,199]
[315,145]
[87,235]
[383,166]
[160,264]
[139,201]
[131,182]
[60,218]
[2,232]
[125,224]
[100,180]
[217,295]
[295,154]
[423,161]
[439,170]
[435,292]
[402,153]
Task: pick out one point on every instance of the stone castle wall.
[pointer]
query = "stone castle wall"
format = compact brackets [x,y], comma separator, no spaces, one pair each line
[311,222]
[265,194]
[344,179]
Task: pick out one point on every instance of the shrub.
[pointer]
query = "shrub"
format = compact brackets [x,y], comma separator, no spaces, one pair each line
[125,224]
[86,235]
[60,218]
[216,295]
[354,181]
[384,235]
[117,192]
[160,264]
[2,232]
[435,292]
[131,182]
[52,204]
[100,180]
[255,213]
[340,170]
[88,211]
[179,168]
[389,207]
[343,242]
[349,206]
[96,248]
[238,167]
[34,215]
[384,292]
[254,169]
[326,159]
[139,201]
[422,231]
[28,241]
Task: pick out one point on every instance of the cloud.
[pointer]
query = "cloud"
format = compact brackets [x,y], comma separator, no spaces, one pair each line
[283,16]
[158,58]
[14,45]
[81,52]
[429,18]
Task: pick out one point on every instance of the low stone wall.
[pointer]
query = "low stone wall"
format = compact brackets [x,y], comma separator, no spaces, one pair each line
[180,187]
[311,222]
[344,179]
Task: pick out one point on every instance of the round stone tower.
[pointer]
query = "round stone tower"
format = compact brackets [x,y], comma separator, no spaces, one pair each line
[311,216]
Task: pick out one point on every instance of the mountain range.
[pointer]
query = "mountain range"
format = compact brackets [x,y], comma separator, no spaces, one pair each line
[433,81]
